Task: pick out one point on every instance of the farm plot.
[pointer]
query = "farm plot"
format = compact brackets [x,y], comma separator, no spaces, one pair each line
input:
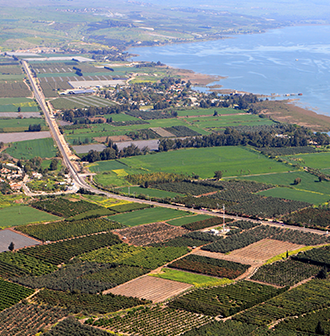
[21,214]
[70,278]
[198,280]
[151,288]
[18,264]
[312,217]
[64,229]
[309,323]
[169,322]
[65,208]
[90,303]
[150,233]
[191,239]
[285,273]
[297,195]
[145,216]
[318,256]
[189,220]
[11,294]
[66,326]
[210,266]
[256,253]
[29,319]
[205,161]
[203,223]
[148,192]
[146,257]
[308,297]
[316,160]
[128,207]
[63,251]
[29,149]
[14,89]
[226,300]
[21,125]
[238,241]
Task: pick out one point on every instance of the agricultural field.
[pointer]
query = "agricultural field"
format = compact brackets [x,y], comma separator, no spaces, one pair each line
[297,195]
[169,322]
[207,112]
[45,148]
[65,327]
[71,102]
[238,241]
[146,216]
[128,206]
[21,215]
[65,208]
[225,301]
[14,89]
[19,264]
[285,273]
[317,218]
[210,266]
[150,233]
[313,160]
[11,125]
[64,229]
[290,303]
[150,288]
[204,223]
[233,161]
[198,280]
[90,303]
[148,192]
[11,294]
[63,251]
[188,221]
[12,105]
[317,256]
[146,257]
[28,319]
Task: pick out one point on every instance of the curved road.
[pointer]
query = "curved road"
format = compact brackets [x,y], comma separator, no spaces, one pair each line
[80,182]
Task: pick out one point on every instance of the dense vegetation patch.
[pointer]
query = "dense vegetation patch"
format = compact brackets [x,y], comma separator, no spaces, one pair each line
[318,256]
[285,273]
[63,207]
[63,251]
[11,293]
[64,229]
[210,266]
[226,300]
[241,240]
[90,303]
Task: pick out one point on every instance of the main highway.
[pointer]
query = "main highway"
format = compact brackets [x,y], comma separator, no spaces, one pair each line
[81,183]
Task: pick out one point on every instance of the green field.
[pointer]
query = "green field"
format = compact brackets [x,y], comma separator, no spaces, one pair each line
[208,111]
[20,215]
[308,182]
[232,161]
[197,280]
[69,102]
[296,195]
[316,160]
[147,216]
[31,148]
[148,192]
[187,220]
[21,125]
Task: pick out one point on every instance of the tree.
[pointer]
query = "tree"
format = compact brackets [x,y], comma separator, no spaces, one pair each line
[319,329]
[53,164]
[297,180]
[215,113]
[11,247]
[218,174]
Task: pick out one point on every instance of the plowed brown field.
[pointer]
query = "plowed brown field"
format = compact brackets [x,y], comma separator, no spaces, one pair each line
[151,233]
[150,288]
[256,253]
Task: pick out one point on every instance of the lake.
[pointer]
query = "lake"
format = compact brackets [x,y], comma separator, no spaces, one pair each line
[282,61]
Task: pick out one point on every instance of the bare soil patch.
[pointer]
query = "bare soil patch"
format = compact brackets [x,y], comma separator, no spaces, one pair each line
[114,138]
[151,233]
[256,253]
[162,132]
[150,288]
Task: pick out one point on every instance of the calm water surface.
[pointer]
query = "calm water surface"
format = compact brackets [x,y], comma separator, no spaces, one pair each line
[281,61]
